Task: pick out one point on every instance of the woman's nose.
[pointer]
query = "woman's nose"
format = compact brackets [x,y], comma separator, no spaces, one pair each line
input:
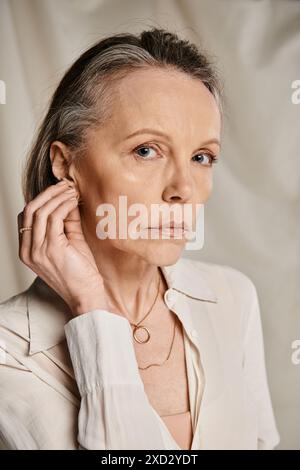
[179,187]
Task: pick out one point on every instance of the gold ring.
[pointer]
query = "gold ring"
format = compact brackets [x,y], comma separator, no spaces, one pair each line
[22,229]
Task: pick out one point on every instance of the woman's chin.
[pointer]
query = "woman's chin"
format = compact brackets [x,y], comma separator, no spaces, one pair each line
[162,252]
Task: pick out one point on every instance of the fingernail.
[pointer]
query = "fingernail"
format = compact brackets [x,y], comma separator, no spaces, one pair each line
[70,190]
[61,183]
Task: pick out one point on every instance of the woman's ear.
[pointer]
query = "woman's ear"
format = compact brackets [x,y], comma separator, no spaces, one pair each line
[60,159]
[62,165]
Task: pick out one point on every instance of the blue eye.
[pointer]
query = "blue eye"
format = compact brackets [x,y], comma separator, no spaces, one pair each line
[144,155]
[211,158]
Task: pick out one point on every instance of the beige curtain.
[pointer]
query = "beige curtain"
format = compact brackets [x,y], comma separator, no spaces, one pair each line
[252,219]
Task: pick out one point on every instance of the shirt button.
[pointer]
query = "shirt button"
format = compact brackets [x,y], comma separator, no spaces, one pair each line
[194,333]
[171,297]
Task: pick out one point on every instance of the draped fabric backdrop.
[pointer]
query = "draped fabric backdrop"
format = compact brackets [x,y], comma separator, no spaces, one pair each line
[252,218]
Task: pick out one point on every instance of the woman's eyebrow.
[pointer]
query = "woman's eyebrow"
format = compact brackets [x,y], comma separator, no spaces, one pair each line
[146,131]
[163,134]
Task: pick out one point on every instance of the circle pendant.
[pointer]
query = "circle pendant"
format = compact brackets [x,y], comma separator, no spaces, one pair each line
[142,328]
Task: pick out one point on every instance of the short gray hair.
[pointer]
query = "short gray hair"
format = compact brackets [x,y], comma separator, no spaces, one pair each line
[84,96]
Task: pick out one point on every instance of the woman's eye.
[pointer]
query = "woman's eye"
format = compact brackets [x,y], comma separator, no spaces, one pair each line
[207,158]
[144,152]
[147,152]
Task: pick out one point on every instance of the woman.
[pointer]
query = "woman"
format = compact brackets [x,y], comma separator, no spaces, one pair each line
[119,343]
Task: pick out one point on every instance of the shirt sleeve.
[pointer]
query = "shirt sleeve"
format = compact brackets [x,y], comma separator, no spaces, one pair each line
[256,377]
[115,412]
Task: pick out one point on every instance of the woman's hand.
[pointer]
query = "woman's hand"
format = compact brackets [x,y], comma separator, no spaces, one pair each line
[56,250]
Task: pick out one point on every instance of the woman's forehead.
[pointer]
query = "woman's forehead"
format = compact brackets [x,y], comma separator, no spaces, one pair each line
[168,101]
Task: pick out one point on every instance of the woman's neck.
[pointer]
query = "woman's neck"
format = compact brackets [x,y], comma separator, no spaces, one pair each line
[130,282]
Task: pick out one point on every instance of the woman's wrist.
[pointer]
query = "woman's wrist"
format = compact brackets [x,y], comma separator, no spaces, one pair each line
[85,305]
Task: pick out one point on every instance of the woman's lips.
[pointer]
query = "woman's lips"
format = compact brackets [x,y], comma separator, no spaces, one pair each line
[169,231]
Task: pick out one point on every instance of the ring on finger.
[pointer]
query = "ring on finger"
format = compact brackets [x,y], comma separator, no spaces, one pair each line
[22,229]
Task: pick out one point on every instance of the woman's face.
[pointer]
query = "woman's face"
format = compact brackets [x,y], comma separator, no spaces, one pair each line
[167,164]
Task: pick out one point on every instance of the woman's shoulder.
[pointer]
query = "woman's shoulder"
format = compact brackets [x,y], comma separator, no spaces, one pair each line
[14,333]
[37,314]
[13,313]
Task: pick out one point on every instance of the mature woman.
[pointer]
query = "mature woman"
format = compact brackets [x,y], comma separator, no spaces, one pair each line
[120,343]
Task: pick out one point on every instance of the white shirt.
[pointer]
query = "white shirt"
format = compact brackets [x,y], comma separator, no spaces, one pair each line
[73,382]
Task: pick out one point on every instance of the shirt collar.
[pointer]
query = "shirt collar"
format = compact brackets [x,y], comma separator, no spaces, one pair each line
[189,277]
[48,313]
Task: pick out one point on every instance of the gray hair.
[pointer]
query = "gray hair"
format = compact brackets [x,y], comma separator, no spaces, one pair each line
[84,96]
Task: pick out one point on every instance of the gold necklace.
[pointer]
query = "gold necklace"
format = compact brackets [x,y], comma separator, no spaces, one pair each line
[137,326]
[161,363]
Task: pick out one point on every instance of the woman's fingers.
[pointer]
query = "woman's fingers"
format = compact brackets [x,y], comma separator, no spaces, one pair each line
[73,227]
[25,218]
[41,215]
[55,248]
[20,224]
[41,199]
[56,221]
